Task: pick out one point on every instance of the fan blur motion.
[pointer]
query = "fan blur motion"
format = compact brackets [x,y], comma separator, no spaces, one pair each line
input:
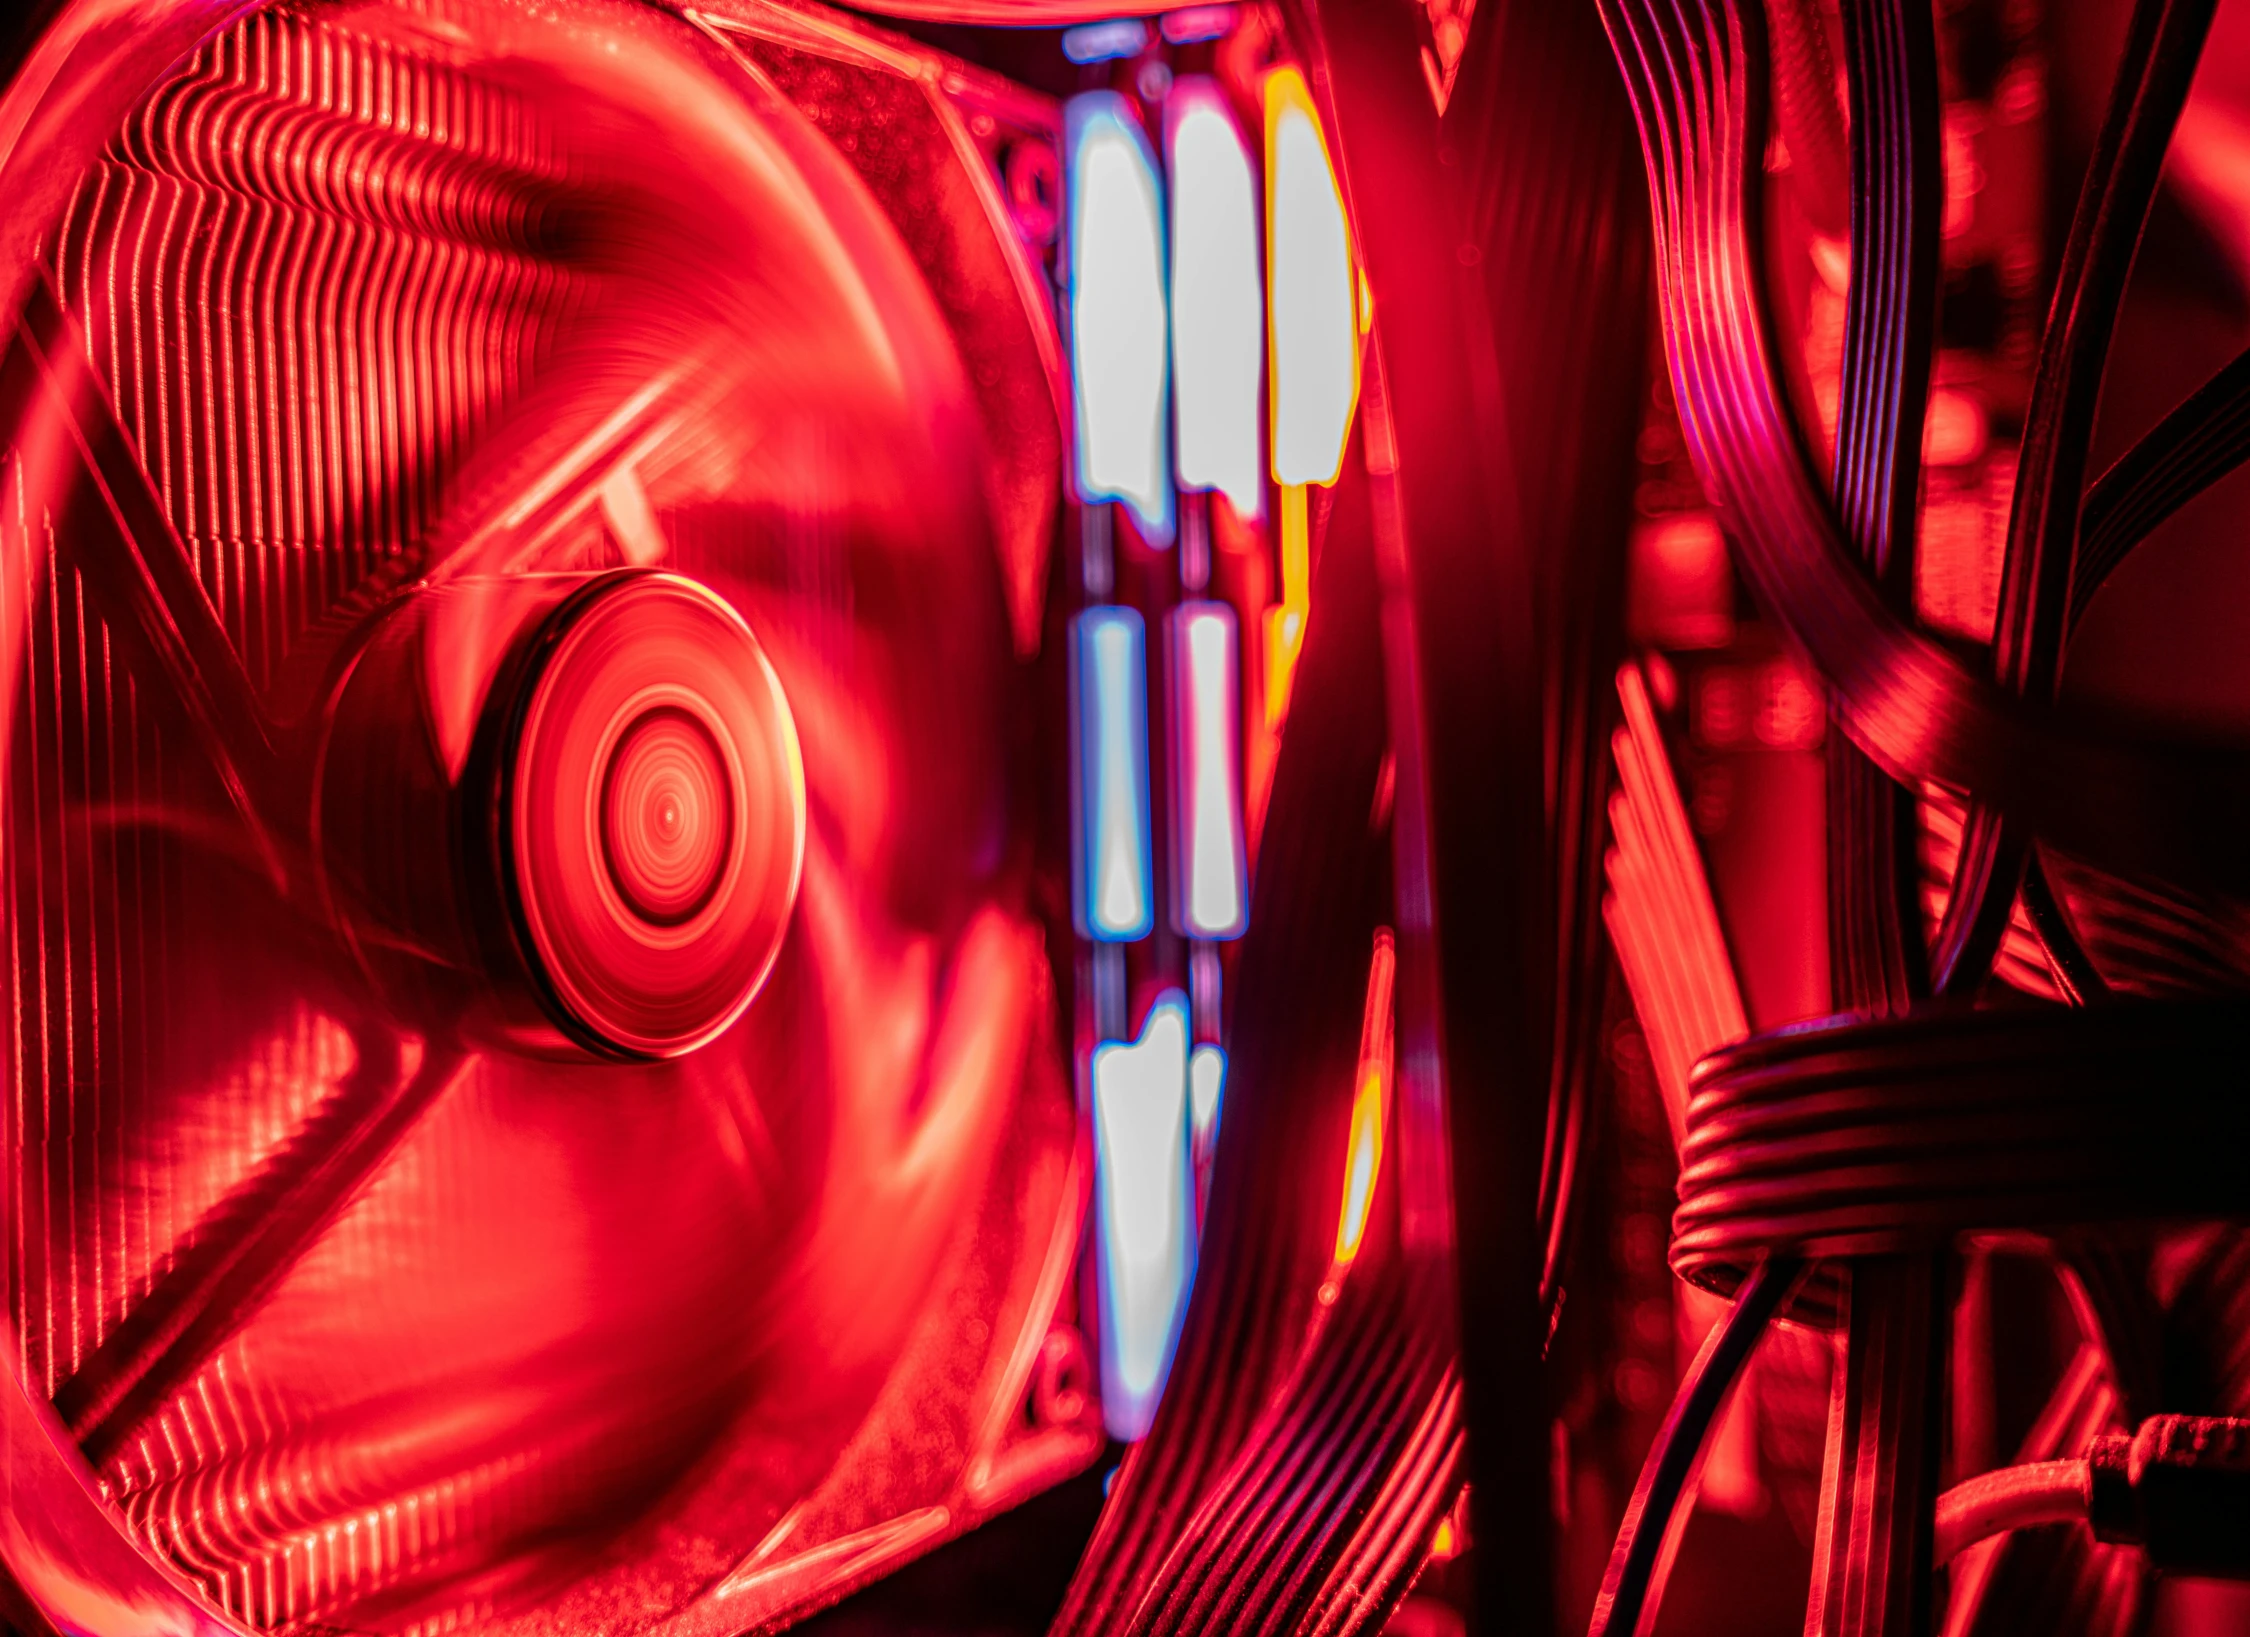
[500,529]
[1273,819]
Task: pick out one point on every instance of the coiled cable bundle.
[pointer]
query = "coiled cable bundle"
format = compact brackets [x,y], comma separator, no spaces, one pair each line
[1852,1138]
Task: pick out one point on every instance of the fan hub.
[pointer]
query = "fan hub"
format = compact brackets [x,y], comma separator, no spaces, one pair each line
[652,812]
[563,812]
[667,815]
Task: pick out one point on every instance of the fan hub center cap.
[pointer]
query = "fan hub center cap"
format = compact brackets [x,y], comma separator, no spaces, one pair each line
[563,811]
[651,813]
[667,810]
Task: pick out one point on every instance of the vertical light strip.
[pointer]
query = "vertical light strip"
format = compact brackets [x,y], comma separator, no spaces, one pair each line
[1207,1089]
[1118,328]
[1363,1152]
[1145,1198]
[1218,304]
[1210,896]
[1285,621]
[1312,292]
[1313,313]
[1111,854]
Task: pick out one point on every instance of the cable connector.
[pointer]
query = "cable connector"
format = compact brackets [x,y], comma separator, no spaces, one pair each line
[2179,1489]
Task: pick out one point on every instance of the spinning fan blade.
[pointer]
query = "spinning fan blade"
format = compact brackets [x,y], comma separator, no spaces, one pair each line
[537,1086]
[239,1252]
[137,569]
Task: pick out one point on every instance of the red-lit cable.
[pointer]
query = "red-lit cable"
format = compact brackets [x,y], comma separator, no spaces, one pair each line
[2199,442]
[2031,630]
[1831,1146]
[1920,712]
[1848,1138]
[2015,1497]
[1633,1587]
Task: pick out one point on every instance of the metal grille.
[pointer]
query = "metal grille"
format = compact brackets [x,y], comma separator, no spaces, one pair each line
[308,272]
[309,269]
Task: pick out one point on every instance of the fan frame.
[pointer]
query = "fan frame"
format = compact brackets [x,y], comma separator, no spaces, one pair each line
[67,1561]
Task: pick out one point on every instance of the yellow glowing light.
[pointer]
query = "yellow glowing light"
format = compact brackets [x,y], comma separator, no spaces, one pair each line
[1363,1154]
[1318,306]
[1442,1544]
[1285,639]
[1364,1161]
[1285,622]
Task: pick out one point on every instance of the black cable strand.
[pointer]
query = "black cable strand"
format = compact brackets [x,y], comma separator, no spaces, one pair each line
[2193,447]
[1632,1588]
[1876,952]
[2134,803]
[1878,1473]
[1857,1138]
[2203,439]
[2155,70]
[2074,970]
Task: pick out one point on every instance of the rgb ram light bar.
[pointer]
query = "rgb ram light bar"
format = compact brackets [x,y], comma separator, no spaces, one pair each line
[1218,306]
[1111,855]
[1145,1192]
[1210,886]
[1200,362]
[1118,323]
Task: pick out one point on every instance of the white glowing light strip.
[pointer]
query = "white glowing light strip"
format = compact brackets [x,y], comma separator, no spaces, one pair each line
[1145,1195]
[1114,899]
[1207,1085]
[1218,306]
[1312,292]
[1210,890]
[1118,327]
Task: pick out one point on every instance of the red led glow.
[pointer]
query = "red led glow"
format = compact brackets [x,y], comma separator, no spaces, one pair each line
[500,1138]
[490,381]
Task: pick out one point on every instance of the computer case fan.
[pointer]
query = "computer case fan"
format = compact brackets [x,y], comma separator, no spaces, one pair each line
[433,1199]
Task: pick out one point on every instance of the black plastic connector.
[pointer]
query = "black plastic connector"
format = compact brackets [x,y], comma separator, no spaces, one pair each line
[2179,1489]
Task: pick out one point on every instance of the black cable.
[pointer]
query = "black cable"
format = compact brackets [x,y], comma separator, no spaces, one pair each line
[2193,447]
[2128,802]
[1851,1138]
[2074,970]
[1632,1588]
[1876,957]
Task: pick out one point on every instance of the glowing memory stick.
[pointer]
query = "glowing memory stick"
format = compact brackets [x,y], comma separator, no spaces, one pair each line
[1207,1085]
[1113,898]
[1210,890]
[1145,1194]
[1119,338]
[1218,305]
